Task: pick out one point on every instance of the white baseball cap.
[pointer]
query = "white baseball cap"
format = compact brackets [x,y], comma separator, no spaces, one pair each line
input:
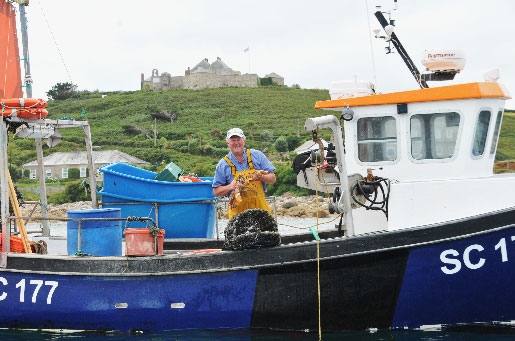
[234,132]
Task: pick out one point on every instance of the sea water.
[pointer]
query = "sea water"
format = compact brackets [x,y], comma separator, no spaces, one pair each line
[287,225]
[245,334]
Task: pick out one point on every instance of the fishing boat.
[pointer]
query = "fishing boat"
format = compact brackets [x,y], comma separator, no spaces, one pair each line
[426,236]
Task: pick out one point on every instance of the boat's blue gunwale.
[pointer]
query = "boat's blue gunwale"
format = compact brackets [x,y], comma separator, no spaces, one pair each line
[248,267]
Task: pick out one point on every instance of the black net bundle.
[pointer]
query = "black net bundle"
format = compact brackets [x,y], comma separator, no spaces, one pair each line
[251,229]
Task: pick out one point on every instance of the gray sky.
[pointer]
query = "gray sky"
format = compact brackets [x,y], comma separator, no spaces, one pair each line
[106,45]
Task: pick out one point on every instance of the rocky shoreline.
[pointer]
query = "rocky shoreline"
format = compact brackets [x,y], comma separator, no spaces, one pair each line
[287,205]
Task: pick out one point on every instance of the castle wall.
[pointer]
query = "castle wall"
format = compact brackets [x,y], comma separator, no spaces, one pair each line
[210,80]
[176,82]
[278,81]
[200,81]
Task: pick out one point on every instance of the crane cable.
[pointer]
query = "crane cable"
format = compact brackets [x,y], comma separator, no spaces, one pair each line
[83,112]
[55,42]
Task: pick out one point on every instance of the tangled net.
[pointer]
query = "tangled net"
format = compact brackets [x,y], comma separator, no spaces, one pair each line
[251,229]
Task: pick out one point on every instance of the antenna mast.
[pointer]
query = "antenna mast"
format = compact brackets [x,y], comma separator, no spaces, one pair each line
[402,52]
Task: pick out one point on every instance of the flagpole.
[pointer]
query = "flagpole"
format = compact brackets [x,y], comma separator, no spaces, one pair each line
[247,50]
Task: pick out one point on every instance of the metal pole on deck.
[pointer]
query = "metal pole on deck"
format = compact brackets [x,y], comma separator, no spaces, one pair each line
[42,187]
[92,175]
[25,44]
[332,123]
[4,197]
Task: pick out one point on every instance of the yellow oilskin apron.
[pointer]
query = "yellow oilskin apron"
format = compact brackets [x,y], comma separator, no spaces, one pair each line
[253,198]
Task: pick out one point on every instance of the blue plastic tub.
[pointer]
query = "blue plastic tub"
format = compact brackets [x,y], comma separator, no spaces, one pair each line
[98,238]
[132,182]
[182,210]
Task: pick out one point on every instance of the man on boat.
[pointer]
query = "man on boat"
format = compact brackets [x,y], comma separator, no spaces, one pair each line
[244,164]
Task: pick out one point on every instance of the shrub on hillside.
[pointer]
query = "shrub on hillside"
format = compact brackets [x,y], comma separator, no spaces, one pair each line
[193,146]
[216,134]
[265,135]
[62,91]
[15,173]
[73,173]
[293,142]
[73,191]
[281,145]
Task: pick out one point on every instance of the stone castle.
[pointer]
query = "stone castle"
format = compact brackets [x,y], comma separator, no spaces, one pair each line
[204,75]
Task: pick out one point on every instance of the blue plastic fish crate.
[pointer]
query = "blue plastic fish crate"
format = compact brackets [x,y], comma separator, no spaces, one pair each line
[182,210]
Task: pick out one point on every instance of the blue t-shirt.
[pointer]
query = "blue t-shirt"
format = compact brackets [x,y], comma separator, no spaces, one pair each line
[223,172]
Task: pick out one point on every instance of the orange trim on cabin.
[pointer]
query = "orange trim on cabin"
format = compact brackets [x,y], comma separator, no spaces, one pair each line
[451,92]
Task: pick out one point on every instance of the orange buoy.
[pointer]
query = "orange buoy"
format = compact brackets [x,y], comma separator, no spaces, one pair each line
[30,113]
[23,103]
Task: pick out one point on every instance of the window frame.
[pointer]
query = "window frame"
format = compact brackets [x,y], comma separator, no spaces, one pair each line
[85,172]
[63,171]
[33,173]
[482,155]
[48,173]
[435,112]
[397,139]
[493,147]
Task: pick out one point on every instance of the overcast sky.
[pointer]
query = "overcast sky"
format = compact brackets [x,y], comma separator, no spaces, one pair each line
[106,45]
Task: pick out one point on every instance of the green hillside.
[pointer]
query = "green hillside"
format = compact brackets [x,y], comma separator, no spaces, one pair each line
[195,139]
[506,147]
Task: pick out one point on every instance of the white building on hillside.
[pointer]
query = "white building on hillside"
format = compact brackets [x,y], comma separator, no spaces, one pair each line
[57,165]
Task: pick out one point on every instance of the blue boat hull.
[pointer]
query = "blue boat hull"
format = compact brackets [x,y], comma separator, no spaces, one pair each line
[222,300]
[455,273]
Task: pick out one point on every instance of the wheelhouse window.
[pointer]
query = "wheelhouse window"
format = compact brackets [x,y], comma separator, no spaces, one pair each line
[497,130]
[377,139]
[482,124]
[433,136]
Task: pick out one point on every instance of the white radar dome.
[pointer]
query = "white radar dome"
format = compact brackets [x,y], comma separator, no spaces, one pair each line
[444,60]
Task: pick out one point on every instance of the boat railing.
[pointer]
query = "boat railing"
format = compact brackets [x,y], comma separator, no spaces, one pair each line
[81,220]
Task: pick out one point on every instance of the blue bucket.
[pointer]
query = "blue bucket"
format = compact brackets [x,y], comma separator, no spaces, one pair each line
[98,238]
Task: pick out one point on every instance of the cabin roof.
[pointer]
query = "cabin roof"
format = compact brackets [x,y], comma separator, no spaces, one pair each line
[451,92]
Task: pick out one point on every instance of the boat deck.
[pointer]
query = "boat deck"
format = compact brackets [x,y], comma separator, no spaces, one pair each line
[57,246]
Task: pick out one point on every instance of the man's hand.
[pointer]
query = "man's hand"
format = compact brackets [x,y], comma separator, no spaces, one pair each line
[231,186]
[264,176]
[224,190]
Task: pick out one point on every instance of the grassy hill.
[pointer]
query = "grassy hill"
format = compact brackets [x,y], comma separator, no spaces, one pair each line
[195,139]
